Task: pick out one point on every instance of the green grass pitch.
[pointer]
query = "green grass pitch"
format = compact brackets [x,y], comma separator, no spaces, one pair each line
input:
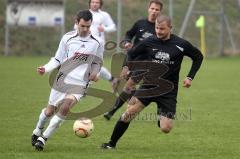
[207,124]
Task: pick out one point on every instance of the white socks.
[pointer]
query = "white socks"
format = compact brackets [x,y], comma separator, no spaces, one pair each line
[40,124]
[55,122]
[105,74]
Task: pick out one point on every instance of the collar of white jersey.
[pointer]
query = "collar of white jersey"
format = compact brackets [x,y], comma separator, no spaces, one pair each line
[98,11]
[86,37]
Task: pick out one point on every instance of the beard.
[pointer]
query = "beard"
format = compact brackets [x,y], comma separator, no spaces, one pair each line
[163,36]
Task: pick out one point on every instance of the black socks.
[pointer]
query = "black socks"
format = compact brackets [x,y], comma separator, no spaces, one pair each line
[118,131]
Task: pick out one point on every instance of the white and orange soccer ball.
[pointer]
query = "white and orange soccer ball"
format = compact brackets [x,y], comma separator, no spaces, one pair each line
[83,127]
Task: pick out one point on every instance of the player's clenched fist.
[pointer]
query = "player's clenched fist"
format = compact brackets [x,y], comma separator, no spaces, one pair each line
[41,70]
[187,83]
[128,45]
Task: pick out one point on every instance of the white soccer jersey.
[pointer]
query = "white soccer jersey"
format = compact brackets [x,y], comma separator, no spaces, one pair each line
[71,45]
[101,18]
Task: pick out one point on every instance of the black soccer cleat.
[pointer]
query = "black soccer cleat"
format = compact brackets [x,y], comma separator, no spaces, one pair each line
[107,116]
[34,139]
[39,145]
[107,146]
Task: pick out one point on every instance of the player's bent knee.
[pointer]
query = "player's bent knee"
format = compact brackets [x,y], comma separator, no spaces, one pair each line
[166,124]
[166,127]
[64,109]
[128,89]
[49,111]
[129,86]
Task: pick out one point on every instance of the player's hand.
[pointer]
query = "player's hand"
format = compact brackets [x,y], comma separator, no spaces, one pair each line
[125,72]
[187,83]
[41,70]
[100,28]
[93,77]
[128,45]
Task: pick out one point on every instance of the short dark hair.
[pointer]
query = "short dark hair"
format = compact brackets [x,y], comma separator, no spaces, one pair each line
[161,18]
[85,15]
[159,2]
[101,3]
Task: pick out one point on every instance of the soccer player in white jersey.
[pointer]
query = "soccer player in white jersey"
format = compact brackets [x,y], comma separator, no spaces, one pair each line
[83,53]
[102,22]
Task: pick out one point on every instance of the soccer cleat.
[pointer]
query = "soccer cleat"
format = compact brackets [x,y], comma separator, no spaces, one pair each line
[40,143]
[39,146]
[107,146]
[107,116]
[36,134]
[34,139]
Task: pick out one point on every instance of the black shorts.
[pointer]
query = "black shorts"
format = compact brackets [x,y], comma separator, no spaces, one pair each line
[166,104]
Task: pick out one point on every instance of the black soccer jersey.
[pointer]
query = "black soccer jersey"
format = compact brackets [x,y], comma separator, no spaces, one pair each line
[169,52]
[141,30]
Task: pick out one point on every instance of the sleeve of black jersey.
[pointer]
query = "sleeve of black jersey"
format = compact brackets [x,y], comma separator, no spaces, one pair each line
[196,56]
[136,52]
[131,33]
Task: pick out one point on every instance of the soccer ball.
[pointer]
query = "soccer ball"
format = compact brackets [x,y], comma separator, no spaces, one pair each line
[83,127]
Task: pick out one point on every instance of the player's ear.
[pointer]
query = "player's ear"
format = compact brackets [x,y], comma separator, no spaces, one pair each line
[76,22]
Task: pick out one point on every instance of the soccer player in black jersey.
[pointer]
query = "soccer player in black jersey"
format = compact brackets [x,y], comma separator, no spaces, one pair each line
[166,51]
[141,30]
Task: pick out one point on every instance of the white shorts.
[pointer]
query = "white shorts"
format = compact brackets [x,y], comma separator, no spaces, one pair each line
[56,96]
